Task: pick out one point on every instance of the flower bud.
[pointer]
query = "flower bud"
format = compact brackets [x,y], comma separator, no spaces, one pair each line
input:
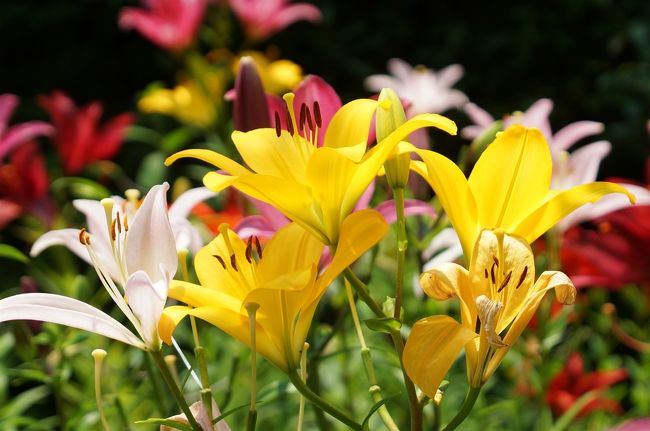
[390,115]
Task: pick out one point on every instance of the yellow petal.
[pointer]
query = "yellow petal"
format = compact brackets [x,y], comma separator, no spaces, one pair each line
[212,157]
[564,291]
[350,126]
[359,232]
[169,319]
[452,189]
[267,154]
[431,349]
[561,204]
[448,280]
[511,178]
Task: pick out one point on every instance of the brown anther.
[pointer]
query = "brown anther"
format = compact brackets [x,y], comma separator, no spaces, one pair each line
[119,224]
[492,276]
[84,238]
[220,259]
[126,223]
[317,116]
[309,120]
[113,234]
[258,247]
[496,260]
[278,125]
[233,262]
[486,274]
[249,250]
[289,123]
[505,281]
[303,111]
[522,277]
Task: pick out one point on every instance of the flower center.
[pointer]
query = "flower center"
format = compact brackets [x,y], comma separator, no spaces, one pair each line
[306,125]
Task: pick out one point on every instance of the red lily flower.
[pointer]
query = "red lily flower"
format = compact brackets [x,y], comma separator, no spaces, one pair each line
[78,138]
[572,382]
[170,24]
[12,137]
[23,185]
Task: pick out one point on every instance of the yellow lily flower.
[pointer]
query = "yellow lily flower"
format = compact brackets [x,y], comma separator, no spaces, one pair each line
[498,294]
[509,188]
[314,186]
[282,279]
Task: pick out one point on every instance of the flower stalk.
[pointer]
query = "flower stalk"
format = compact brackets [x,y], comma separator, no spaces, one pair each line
[99,355]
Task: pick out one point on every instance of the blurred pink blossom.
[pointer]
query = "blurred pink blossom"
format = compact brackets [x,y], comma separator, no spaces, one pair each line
[263,18]
[170,24]
[11,137]
[79,138]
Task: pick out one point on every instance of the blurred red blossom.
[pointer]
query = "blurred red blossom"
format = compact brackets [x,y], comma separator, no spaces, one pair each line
[12,137]
[79,138]
[23,185]
[170,24]
[263,18]
[572,382]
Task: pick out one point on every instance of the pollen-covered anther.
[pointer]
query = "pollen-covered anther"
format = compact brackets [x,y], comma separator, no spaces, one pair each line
[290,128]
[233,262]
[258,247]
[488,312]
[220,260]
[84,237]
[522,277]
[317,116]
[505,282]
[249,250]
[278,124]
[126,223]
[113,232]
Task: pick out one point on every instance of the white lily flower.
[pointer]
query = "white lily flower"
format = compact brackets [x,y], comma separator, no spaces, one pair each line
[130,244]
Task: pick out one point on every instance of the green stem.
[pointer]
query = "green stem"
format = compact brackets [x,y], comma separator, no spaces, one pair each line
[251,308]
[375,389]
[363,292]
[402,244]
[436,416]
[321,402]
[470,399]
[173,388]
[160,400]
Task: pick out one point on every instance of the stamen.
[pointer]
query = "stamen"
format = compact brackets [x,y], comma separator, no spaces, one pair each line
[84,238]
[309,120]
[220,259]
[132,195]
[278,125]
[291,118]
[496,260]
[505,281]
[233,262]
[249,249]
[112,230]
[258,247]
[522,277]
[301,122]
[289,123]
[494,279]
[486,274]
[119,224]
[317,116]
[108,204]
[488,311]
[126,223]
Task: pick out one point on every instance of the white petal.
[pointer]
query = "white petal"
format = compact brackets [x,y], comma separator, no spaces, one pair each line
[188,200]
[150,243]
[585,161]
[147,301]
[478,115]
[445,246]
[573,132]
[66,237]
[377,82]
[59,309]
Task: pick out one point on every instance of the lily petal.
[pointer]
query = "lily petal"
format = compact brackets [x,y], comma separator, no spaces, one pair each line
[350,125]
[147,302]
[431,349]
[212,157]
[569,135]
[62,310]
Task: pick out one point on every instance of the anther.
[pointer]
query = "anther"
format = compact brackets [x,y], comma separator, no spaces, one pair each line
[119,224]
[132,195]
[249,250]
[309,120]
[505,281]
[113,234]
[317,116]
[220,259]
[522,277]
[126,223]
[494,279]
[301,123]
[233,262]
[496,260]
[486,274]
[290,128]
[84,238]
[278,125]
[258,247]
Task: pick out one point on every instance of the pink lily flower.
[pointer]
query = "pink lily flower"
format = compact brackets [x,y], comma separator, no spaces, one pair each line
[640,424]
[263,18]
[170,24]
[78,138]
[569,169]
[11,137]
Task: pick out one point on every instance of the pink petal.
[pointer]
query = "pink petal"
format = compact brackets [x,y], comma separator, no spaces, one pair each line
[109,139]
[152,27]
[22,133]
[377,82]
[287,16]
[642,424]
[9,211]
[400,69]
[364,200]
[8,103]
[62,310]
[569,135]
[585,161]
[537,116]
[478,116]
[315,89]
[254,225]
[449,75]
[411,207]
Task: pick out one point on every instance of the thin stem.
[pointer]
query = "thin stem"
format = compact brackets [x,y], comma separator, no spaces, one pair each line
[470,399]
[251,308]
[363,292]
[160,400]
[323,404]
[99,356]
[303,376]
[402,244]
[173,388]
[374,389]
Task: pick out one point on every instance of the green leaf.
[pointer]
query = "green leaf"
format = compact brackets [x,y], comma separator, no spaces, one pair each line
[80,188]
[383,324]
[12,253]
[168,422]
[152,170]
[376,407]
[177,139]
[23,401]
[231,411]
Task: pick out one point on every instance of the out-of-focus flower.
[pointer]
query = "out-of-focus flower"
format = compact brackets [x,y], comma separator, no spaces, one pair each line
[12,137]
[283,280]
[170,24]
[263,18]
[498,292]
[572,382]
[231,214]
[569,169]
[130,246]
[314,186]
[249,105]
[23,186]
[200,414]
[509,188]
[78,138]
[278,76]
[424,89]
[612,253]
[641,424]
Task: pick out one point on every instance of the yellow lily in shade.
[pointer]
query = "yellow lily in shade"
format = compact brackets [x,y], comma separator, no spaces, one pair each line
[315,186]
[498,294]
[509,188]
[283,280]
